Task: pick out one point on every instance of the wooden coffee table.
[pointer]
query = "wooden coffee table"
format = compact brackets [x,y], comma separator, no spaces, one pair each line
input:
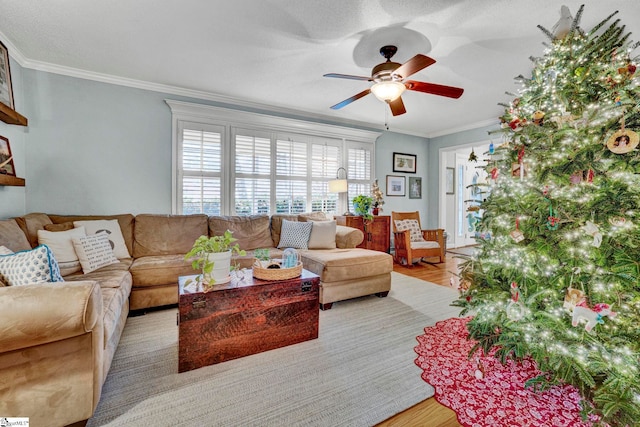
[243,317]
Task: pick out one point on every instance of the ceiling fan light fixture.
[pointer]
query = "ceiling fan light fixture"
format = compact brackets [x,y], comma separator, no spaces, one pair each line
[388,91]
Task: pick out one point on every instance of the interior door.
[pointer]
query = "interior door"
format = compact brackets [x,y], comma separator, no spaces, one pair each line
[466,197]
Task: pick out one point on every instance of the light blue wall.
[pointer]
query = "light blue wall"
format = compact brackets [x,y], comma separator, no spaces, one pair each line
[13,199]
[386,145]
[97,148]
[433,177]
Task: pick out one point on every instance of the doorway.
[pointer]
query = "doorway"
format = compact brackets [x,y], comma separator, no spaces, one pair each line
[459,203]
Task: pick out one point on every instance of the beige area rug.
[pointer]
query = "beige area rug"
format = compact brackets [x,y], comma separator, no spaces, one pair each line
[359,372]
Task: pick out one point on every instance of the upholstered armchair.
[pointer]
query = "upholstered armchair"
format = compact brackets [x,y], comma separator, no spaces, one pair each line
[412,242]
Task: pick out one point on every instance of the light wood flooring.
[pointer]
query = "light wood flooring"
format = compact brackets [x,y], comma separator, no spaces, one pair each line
[428,413]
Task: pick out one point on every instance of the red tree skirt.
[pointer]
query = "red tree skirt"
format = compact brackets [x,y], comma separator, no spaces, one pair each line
[496,397]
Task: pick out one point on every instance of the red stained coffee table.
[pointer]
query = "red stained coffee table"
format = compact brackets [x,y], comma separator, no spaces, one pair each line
[243,317]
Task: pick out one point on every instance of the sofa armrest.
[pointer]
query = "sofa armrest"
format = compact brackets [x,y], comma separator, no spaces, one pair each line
[348,237]
[41,313]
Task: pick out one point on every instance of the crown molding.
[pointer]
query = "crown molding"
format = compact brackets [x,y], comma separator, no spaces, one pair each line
[469,126]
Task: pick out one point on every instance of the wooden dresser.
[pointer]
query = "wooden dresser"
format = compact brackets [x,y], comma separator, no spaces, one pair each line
[376,234]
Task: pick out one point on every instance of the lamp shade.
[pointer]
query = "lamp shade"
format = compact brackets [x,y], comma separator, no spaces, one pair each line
[388,91]
[338,186]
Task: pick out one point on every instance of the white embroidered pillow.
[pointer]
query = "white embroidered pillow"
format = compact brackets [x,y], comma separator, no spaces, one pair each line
[295,234]
[37,265]
[412,225]
[60,244]
[112,228]
[94,252]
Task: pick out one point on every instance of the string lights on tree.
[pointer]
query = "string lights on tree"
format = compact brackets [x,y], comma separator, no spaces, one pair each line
[559,278]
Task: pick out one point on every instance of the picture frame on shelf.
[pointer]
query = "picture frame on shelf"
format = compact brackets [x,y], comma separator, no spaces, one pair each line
[6,89]
[450,180]
[415,187]
[403,162]
[6,158]
[395,185]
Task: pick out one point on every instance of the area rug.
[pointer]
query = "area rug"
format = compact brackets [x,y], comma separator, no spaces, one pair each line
[357,373]
[482,391]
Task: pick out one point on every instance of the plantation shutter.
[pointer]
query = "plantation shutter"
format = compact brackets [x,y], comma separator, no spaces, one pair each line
[291,176]
[325,161]
[200,168]
[252,174]
[359,159]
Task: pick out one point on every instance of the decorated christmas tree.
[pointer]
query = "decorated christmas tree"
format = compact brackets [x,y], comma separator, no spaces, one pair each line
[559,278]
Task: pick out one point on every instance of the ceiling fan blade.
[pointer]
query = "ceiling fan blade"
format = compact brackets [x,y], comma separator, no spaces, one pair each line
[413,65]
[347,76]
[350,100]
[397,106]
[448,91]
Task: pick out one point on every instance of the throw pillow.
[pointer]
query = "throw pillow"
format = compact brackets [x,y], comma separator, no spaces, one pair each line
[60,244]
[295,234]
[94,252]
[323,235]
[112,228]
[37,265]
[414,228]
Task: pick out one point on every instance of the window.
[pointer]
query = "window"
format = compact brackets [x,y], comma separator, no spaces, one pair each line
[200,169]
[229,162]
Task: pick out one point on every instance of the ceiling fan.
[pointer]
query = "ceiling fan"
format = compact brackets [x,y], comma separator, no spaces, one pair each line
[390,81]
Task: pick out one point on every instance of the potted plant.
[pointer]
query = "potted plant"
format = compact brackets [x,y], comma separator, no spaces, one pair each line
[362,206]
[378,201]
[212,257]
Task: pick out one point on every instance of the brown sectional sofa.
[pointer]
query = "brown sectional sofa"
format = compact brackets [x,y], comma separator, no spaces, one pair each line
[57,341]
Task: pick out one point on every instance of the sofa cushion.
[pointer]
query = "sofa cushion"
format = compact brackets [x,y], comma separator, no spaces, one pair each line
[31,223]
[335,265]
[94,251]
[251,231]
[276,226]
[29,267]
[158,270]
[295,234]
[59,227]
[114,301]
[112,228]
[156,235]
[323,235]
[126,222]
[13,237]
[312,216]
[60,243]
[110,276]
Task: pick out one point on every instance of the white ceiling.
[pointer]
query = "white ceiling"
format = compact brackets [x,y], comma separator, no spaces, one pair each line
[274,52]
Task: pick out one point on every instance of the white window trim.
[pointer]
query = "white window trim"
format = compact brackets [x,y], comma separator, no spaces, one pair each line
[229,118]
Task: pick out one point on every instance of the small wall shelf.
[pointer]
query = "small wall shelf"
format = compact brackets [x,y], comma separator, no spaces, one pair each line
[11,180]
[11,116]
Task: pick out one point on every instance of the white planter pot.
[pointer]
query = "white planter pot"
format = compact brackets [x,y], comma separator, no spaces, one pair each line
[221,266]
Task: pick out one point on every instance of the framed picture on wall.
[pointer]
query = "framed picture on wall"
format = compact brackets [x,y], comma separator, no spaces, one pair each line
[404,162]
[6,91]
[6,158]
[415,187]
[395,185]
[450,180]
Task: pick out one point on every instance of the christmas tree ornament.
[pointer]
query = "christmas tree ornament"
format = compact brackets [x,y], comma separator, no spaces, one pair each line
[473,157]
[592,316]
[515,309]
[590,174]
[619,221]
[538,117]
[576,177]
[516,234]
[494,173]
[593,230]
[553,222]
[623,141]
[573,298]
[491,148]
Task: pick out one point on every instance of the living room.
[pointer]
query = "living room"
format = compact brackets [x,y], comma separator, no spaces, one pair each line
[103,136]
